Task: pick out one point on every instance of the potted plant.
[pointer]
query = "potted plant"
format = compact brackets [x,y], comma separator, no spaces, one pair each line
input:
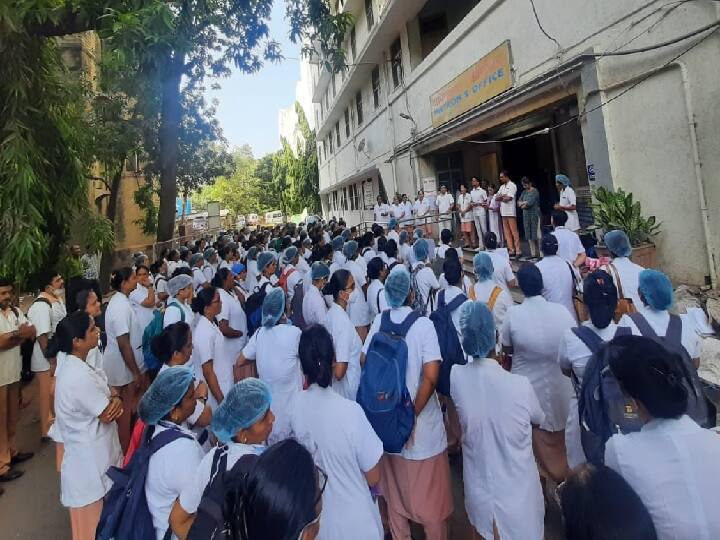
[617,210]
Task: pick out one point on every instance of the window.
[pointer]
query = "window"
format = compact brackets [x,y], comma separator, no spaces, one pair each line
[334,88]
[345,198]
[332,148]
[335,200]
[369,15]
[337,134]
[396,60]
[358,107]
[353,43]
[355,197]
[347,122]
[376,86]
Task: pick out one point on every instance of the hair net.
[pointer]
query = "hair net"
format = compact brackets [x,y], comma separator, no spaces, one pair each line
[656,289]
[290,254]
[483,266]
[618,243]
[397,286]
[419,233]
[549,244]
[530,280]
[245,404]
[307,241]
[420,249]
[337,243]
[350,249]
[264,260]
[392,223]
[562,179]
[477,327]
[403,237]
[252,253]
[208,253]
[238,268]
[166,391]
[179,282]
[345,234]
[183,250]
[319,270]
[273,307]
[195,258]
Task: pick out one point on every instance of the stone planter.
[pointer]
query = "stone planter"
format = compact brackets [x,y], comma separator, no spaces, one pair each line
[644,254]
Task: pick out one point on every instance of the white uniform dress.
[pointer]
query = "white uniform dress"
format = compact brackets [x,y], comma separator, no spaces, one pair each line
[199,278]
[466,213]
[534,330]
[659,320]
[569,244]
[377,303]
[421,211]
[497,411]
[45,319]
[233,312]
[567,198]
[382,213]
[444,204]
[314,308]
[628,274]
[344,445]
[177,311]
[479,213]
[674,467]
[91,447]
[358,309]
[503,302]
[558,284]
[426,282]
[275,351]
[348,347]
[119,321]
[208,344]
[502,273]
[574,354]
[143,317]
[170,469]
[423,347]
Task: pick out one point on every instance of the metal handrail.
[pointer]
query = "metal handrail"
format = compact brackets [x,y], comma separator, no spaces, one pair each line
[429,219]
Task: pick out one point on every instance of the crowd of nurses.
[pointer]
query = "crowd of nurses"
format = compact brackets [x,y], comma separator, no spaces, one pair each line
[225,393]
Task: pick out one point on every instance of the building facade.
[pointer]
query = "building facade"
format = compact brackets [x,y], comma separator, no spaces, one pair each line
[436,92]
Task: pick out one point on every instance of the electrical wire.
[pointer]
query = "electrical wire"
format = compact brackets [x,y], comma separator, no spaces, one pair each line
[542,28]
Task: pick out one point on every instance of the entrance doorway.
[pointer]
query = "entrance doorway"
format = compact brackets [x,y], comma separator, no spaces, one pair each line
[449,171]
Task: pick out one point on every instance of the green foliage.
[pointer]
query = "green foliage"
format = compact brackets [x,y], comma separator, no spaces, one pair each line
[99,233]
[144,197]
[617,210]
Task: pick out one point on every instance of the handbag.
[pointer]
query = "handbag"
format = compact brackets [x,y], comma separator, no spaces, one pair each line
[625,306]
[578,300]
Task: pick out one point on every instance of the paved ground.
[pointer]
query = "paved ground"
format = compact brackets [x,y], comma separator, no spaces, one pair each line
[30,507]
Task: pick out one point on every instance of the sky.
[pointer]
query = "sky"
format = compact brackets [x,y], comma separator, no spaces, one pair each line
[249,104]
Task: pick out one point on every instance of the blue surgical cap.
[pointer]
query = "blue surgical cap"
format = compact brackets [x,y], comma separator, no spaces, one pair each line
[561,178]
[208,253]
[477,327]
[403,237]
[345,234]
[319,270]
[244,405]
[238,268]
[419,233]
[178,283]
[195,258]
[264,260]
[273,307]
[420,249]
[483,266]
[252,253]
[337,243]
[392,223]
[618,243]
[350,249]
[290,254]
[166,391]
[397,286]
[656,289]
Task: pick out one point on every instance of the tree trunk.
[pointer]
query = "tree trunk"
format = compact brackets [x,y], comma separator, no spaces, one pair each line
[106,259]
[169,131]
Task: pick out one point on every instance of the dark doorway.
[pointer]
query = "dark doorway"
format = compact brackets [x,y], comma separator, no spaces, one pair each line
[449,171]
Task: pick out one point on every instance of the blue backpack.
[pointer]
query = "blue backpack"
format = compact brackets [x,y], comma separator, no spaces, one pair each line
[603,409]
[450,348]
[125,513]
[382,393]
[155,328]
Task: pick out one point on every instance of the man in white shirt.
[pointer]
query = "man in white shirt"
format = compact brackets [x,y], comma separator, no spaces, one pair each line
[506,195]
[382,211]
[445,203]
[570,247]
[408,224]
[478,197]
[422,208]
[557,274]
[398,209]
[568,201]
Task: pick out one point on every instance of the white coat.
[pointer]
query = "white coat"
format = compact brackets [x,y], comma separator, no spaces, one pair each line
[568,198]
[119,321]
[558,284]
[233,312]
[314,308]
[348,347]
[208,344]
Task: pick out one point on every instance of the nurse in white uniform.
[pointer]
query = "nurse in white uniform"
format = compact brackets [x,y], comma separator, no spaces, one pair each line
[164,408]
[503,273]
[672,463]
[142,300]
[344,445]
[232,323]
[531,334]
[180,289]
[346,342]
[624,272]
[487,291]
[86,411]
[377,272]
[427,283]
[274,349]
[242,424]
[357,309]
[208,346]
[499,413]
[314,307]
[266,266]
[445,203]
[568,201]
[558,276]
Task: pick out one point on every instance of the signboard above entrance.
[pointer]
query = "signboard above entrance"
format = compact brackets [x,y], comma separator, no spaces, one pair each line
[487,78]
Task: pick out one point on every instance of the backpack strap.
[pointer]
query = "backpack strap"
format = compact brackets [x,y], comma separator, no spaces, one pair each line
[643,326]
[182,311]
[401,329]
[493,298]
[456,302]
[441,298]
[43,300]
[673,334]
[166,437]
[378,298]
[616,276]
[591,340]
[623,331]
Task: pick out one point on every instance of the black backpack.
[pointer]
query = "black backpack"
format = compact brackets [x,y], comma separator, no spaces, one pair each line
[211,523]
[296,312]
[253,309]
[450,349]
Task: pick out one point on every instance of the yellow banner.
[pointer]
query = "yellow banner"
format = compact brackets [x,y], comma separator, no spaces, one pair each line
[487,78]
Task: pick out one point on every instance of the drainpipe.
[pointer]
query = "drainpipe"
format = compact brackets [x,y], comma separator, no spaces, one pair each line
[392,121]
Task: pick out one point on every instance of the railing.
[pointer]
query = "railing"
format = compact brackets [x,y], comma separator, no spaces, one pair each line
[432,220]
